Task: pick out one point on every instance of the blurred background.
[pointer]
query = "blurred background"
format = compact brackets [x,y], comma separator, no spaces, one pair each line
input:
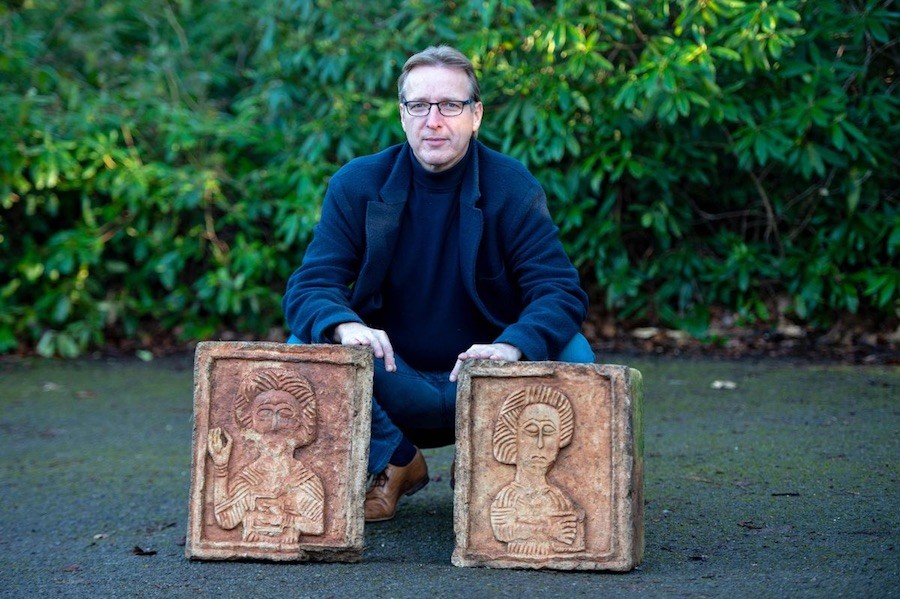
[725,174]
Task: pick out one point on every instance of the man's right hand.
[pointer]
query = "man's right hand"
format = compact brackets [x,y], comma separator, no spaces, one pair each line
[355,333]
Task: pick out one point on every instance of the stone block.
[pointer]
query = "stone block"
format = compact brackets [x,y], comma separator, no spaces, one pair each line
[549,466]
[280,445]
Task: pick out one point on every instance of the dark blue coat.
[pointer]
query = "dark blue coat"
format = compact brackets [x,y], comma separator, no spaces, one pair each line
[512,263]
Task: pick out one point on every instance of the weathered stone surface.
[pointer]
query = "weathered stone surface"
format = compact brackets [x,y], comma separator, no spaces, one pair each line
[549,466]
[280,445]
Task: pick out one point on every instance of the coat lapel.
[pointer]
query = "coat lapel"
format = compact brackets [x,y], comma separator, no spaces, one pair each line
[382,230]
[383,218]
[471,223]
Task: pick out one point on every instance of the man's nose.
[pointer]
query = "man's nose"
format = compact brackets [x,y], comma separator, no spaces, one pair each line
[434,118]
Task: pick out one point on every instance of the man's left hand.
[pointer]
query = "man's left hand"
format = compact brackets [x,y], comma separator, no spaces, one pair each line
[493,351]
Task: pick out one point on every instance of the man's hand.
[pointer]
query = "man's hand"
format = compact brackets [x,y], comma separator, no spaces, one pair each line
[493,351]
[355,333]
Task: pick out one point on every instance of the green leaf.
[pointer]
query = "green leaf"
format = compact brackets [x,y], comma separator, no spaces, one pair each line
[46,347]
[66,346]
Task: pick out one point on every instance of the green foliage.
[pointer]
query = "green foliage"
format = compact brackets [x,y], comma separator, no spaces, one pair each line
[162,163]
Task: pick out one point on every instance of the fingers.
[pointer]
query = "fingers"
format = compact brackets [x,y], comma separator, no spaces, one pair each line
[388,352]
[355,333]
[472,355]
[493,351]
[218,438]
[219,446]
[567,537]
[454,374]
[567,531]
[213,440]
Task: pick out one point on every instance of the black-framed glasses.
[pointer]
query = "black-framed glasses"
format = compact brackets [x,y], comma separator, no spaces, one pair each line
[446,108]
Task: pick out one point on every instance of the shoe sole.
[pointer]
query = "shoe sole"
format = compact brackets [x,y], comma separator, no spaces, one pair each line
[415,489]
[418,487]
[391,517]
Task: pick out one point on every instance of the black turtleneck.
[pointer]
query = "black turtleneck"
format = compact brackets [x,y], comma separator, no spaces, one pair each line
[426,312]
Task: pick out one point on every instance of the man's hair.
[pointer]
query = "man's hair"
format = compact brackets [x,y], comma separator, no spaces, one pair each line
[441,56]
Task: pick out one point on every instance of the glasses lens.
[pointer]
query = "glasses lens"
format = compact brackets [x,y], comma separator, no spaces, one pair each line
[450,108]
[446,108]
[418,108]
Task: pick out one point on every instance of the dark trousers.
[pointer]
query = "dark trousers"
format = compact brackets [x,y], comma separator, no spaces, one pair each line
[422,405]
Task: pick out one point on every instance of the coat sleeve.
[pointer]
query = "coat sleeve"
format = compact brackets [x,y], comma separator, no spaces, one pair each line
[318,294]
[553,303]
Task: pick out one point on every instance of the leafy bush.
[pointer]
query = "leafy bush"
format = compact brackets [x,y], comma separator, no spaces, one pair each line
[162,163]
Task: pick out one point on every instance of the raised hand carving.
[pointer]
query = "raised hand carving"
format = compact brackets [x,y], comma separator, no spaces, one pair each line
[275,498]
[531,515]
[219,445]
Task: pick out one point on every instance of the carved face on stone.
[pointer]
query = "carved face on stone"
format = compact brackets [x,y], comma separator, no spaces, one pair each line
[279,404]
[538,436]
[275,411]
[534,423]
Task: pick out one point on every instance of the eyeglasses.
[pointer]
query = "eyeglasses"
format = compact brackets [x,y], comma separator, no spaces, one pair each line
[446,108]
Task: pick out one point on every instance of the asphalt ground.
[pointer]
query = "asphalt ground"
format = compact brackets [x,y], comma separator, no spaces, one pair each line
[762,479]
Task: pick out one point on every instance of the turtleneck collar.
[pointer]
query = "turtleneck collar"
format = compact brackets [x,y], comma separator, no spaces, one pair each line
[443,180]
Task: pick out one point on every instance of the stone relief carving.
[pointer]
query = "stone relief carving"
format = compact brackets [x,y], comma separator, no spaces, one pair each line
[275,498]
[531,515]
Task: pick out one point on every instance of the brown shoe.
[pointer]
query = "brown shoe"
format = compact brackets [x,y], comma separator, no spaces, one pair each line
[390,484]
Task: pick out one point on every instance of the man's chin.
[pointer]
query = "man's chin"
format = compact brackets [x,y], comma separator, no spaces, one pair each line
[436,161]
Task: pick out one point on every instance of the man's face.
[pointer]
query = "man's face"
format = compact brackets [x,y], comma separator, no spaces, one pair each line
[438,141]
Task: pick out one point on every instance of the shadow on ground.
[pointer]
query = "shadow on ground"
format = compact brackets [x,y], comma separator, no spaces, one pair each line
[785,485]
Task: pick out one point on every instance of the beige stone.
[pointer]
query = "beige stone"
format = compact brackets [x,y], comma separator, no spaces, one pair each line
[280,445]
[549,466]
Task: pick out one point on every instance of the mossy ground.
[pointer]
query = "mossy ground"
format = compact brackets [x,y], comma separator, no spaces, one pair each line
[784,486]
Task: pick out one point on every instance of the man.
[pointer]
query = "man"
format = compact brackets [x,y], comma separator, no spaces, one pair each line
[434,252]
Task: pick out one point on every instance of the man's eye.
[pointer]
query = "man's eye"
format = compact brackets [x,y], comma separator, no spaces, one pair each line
[451,105]
[417,106]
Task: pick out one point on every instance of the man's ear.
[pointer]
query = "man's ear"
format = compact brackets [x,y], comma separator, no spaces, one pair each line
[477,113]
[402,117]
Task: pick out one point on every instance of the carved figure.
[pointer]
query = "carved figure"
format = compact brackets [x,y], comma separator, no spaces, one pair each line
[531,515]
[276,498]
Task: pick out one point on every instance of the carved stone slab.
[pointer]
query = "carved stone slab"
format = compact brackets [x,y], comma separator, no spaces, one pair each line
[549,466]
[280,445]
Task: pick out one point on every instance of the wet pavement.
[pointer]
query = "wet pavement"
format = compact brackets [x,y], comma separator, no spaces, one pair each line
[762,479]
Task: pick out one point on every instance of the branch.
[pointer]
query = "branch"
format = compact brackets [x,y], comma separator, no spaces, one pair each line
[771,224]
